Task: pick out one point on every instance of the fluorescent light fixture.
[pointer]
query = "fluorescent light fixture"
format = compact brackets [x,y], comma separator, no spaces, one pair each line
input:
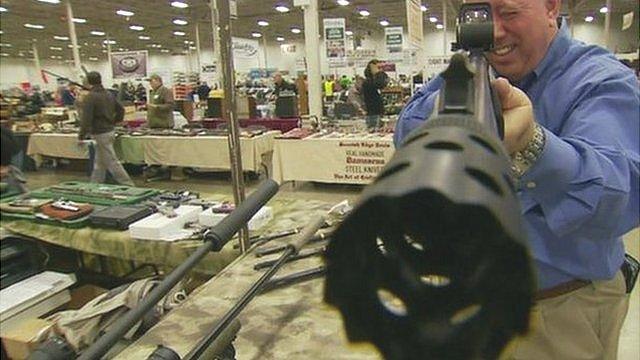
[4,54]
[439,26]
[93,58]
[348,33]
[34,26]
[144,37]
[589,18]
[56,48]
[179,33]
[3,9]
[156,45]
[604,10]
[188,42]
[433,19]
[192,48]
[423,8]
[97,33]
[343,2]
[111,42]
[364,12]
[164,50]
[256,34]
[1,32]
[70,46]
[50,1]
[384,22]
[125,12]
[282,8]
[263,23]
[279,38]
[296,30]
[62,38]
[180,21]
[179,4]
[5,45]
[79,20]
[136,27]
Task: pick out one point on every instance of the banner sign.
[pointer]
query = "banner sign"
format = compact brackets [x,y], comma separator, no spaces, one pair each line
[393,39]
[360,57]
[335,42]
[414,23]
[129,64]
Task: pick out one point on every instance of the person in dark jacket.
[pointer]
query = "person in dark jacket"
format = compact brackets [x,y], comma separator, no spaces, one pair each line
[375,80]
[100,112]
[281,84]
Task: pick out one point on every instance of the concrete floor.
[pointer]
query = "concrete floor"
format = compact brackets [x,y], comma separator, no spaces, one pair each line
[220,184]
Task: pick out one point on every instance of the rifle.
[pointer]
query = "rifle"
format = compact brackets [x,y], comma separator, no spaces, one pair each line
[60,77]
[433,262]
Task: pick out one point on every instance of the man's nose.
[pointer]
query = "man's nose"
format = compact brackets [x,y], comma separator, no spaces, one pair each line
[499,31]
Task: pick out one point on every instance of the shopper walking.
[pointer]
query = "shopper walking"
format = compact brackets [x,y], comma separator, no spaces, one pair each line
[100,111]
[375,80]
[572,114]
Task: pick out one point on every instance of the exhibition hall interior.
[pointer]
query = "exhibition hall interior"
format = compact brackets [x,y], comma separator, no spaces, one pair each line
[320,179]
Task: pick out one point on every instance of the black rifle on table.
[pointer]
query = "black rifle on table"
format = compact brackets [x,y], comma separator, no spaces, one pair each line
[433,262]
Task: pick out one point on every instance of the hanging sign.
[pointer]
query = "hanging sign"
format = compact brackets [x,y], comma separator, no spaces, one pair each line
[129,64]
[335,42]
[414,23]
[393,39]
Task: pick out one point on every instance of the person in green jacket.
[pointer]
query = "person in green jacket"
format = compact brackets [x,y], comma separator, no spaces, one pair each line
[160,104]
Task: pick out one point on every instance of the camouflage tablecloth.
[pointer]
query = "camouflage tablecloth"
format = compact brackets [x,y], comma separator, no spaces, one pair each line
[287,323]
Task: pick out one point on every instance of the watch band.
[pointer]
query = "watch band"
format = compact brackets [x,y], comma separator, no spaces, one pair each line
[523,160]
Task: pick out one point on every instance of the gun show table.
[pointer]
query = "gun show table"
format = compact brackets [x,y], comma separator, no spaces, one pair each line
[186,151]
[333,158]
[281,124]
[285,323]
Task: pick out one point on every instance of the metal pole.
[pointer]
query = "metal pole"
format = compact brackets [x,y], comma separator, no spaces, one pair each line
[444,23]
[572,14]
[264,44]
[216,40]
[607,26]
[312,49]
[36,59]
[74,39]
[228,81]
[198,51]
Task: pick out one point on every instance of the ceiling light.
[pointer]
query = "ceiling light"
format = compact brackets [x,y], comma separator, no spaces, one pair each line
[156,45]
[256,34]
[34,26]
[348,33]
[384,22]
[192,48]
[50,1]
[125,13]
[589,18]
[97,33]
[279,38]
[5,45]
[3,9]
[144,37]
[263,23]
[439,26]
[604,10]
[70,46]
[433,19]
[180,22]
[136,27]
[1,32]
[179,33]
[56,48]
[179,4]
[189,42]
[343,2]
[423,8]
[93,58]
[164,50]
[111,42]
[296,30]
[282,8]
[63,38]
[364,12]
[4,54]
[79,20]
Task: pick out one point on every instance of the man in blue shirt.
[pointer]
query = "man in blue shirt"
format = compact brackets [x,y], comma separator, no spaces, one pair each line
[574,110]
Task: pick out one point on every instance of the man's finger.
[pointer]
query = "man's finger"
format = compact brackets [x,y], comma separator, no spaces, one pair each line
[510,97]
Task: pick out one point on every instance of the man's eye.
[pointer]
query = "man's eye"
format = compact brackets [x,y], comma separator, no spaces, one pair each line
[509,14]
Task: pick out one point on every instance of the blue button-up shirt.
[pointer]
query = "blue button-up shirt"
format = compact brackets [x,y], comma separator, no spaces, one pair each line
[581,196]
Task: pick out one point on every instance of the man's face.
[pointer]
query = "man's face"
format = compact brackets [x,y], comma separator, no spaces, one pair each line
[277,79]
[523,31]
[155,83]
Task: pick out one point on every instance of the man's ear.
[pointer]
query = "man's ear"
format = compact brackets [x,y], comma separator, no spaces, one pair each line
[553,10]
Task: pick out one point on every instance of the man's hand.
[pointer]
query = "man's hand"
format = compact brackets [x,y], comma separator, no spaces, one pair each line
[517,110]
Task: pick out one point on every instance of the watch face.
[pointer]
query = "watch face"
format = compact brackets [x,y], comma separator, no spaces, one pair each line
[129,64]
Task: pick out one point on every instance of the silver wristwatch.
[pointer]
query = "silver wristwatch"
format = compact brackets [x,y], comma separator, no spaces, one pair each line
[524,159]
